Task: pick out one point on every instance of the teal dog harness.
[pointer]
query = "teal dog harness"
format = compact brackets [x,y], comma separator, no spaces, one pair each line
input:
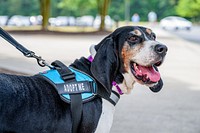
[74,87]
[83,84]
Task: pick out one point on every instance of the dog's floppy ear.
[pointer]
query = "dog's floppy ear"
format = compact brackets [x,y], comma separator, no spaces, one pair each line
[105,63]
[158,86]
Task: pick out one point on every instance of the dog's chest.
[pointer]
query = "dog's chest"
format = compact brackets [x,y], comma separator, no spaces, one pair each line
[106,118]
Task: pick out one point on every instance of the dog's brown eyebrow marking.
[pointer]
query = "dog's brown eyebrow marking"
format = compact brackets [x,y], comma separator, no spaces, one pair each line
[137,32]
[126,54]
[148,31]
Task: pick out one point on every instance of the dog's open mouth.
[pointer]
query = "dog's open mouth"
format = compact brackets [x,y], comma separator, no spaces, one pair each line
[146,74]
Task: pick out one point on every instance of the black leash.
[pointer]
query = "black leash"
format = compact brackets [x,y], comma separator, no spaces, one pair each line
[26,52]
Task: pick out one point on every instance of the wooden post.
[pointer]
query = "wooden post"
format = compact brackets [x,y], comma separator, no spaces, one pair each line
[45,12]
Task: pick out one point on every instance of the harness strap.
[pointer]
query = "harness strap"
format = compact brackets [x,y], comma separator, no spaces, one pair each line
[64,71]
[114,98]
[76,109]
[76,100]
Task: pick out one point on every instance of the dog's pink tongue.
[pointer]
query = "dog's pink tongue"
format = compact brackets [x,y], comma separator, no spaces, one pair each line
[153,75]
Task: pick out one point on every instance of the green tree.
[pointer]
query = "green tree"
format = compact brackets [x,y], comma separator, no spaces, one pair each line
[19,7]
[143,7]
[77,7]
[117,8]
[80,8]
[188,8]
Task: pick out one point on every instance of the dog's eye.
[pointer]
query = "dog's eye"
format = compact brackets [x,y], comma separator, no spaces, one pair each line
[134,39]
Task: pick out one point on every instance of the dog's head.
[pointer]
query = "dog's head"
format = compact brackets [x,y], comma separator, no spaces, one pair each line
[130,54]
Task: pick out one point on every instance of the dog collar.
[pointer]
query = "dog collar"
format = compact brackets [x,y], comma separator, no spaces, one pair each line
[117,87]
[90,58]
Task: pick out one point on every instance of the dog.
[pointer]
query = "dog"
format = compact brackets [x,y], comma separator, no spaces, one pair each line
[29,104]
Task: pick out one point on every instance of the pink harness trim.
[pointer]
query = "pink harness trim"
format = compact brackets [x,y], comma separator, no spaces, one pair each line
[90,58]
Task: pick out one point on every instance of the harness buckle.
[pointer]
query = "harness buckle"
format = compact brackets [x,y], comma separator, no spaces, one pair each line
[67,76]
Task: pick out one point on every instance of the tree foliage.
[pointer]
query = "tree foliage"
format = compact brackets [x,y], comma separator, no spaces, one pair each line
[91,7]
[143,7]
[80,8]
[188,8]
[19,7]
[74,7]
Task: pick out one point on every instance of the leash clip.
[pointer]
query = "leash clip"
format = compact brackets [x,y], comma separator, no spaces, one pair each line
[30,54]
[41,62]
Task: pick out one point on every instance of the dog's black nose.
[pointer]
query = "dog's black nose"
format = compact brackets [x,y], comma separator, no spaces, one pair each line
[160,49]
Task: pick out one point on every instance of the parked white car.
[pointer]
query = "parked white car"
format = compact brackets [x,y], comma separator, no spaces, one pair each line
[36,20]
[71,21]
[3,20]
[18,20]
[62,21]
[85,20]
[175,23]
[59,21]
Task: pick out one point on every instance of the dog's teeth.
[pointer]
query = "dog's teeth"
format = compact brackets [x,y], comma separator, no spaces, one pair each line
[136,67]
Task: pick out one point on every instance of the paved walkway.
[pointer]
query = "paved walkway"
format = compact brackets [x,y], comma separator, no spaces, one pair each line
[174,110]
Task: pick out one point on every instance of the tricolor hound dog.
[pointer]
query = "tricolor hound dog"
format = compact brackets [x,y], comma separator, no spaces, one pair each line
[29,104]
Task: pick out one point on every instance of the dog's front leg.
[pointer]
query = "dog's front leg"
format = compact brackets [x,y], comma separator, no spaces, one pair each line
[106,118]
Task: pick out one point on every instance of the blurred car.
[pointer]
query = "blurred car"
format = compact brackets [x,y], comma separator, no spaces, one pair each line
[85,20]
[71,21]
[58,21]
[3,20]
[175,23]
[36,20]
[62,21]
[108,22]
[18,20]
[52,21]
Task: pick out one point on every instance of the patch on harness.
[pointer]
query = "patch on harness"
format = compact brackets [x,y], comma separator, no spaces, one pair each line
[84,85]
[75,87]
